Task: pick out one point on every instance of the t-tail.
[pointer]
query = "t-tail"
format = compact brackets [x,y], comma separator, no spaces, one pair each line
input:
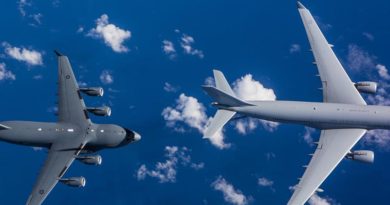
[225,100]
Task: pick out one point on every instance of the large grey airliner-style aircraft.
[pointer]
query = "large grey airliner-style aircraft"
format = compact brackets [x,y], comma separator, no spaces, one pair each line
[74,136]
[343,117]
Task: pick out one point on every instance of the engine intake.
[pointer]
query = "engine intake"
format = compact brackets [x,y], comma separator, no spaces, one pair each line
[365,156]
[94,91]
[366,87]
[100,111]
[90,160]
[74,181]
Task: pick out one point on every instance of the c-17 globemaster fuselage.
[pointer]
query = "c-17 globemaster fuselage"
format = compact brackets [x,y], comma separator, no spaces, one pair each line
[43,134]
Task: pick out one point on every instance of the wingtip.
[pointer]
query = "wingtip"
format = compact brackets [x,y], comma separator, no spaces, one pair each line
[58,53]
[300,5]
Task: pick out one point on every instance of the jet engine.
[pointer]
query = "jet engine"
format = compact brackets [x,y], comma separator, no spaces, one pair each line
[74,181]
[90,160]
[95,91]
[366,87]
[365,156]
[100,111]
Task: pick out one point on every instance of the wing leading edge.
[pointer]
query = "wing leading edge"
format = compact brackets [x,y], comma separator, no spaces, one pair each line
[332,148]
[71,106]
[60,157]
[337,86]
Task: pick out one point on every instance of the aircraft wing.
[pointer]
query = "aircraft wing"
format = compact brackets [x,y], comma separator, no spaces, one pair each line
[60,157]
[71,107]
[337,86]
[332,148]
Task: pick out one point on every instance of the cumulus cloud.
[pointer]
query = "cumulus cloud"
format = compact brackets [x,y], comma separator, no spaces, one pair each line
[382,71]
[186,42]
[230,194]
[317,200]
[169,49]
[369,36]
[22,4]
[380,138]
[6,74]
[112,35]
[29,56]
[166,171]
[359,59]
[307,136]
[248,89]
[170,88]
[106,77]
[191,112]
[265,182]
[294,48]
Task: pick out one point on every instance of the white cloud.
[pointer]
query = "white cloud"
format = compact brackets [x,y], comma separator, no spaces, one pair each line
[6,74]
[106,77]
[382,71]
[186,42]
[167,171]
[359,59]
[112,35]
[37,18]
[169,49]
[230,194]
[21,6]
[265,182]
[247,88]
[380,138]
[369,36]
[31,57]
[294,48]
[317,200]
[191,112]
[38,77]
[80,29]
[307,136]
[170,88]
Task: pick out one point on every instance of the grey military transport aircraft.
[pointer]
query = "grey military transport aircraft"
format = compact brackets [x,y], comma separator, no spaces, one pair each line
[73,137]
[343,117]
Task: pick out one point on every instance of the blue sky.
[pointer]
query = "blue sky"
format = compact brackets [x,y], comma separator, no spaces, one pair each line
[157,92]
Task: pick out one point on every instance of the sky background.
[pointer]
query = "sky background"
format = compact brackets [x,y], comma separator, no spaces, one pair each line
[151,58]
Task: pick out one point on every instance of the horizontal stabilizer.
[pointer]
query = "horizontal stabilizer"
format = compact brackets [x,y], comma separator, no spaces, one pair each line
[4,127]
[219,120]
[223,98]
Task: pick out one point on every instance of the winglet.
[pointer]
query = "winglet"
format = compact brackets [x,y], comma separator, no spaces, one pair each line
[300,5]
[58,53]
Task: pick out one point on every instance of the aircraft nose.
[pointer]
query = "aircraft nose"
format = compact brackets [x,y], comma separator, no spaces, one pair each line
[137,137]
[132,136]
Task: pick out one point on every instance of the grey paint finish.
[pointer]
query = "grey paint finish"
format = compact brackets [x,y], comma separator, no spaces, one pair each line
[72,135]
[343,117]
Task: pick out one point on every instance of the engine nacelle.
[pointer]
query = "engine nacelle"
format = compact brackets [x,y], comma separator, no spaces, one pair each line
[95,91]
[90,160]
[366,87]
[100,111]
[74,181]
[365,156]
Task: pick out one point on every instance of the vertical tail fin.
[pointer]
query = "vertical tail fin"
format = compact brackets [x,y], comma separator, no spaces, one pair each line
[222,84]
[223,95]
